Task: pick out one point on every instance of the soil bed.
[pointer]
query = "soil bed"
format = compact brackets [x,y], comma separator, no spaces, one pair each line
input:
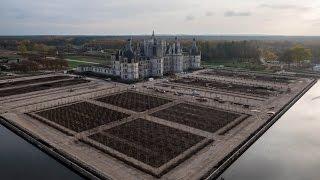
[227,86]
[40,87]
[151,143]
[81,116]
[266,78]
[32,81]
[134,101]
[206,119]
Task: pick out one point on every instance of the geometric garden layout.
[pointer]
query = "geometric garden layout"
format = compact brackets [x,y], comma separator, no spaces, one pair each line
[181,127]
[141,142]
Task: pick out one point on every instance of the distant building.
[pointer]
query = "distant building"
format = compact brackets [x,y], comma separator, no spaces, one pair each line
[150,58]
[316,67]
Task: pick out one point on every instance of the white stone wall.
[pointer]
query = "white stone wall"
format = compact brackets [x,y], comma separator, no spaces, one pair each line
[194,62]
[167,65]
[177,63]
[144,68]
[115,66]
[157,67]
[129,71]
[96,69]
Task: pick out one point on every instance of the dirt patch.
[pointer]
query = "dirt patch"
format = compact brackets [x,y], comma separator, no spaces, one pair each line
[227,86]
[206,119]
[32,81]
[151,143]
[82,116]
[265,78]
[134,101]
[40,87]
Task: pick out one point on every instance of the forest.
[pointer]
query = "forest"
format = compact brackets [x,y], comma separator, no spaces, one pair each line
[294,50]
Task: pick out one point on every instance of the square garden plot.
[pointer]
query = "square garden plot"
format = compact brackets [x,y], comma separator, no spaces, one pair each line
[198,117]
[134,101]
[148,142]
[81,116]
[40,87]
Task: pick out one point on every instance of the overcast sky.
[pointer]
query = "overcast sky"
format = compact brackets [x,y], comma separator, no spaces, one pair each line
[117,17]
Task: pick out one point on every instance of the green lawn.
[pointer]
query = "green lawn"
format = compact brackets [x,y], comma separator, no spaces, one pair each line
[234,64]
[88,59]
[73,64]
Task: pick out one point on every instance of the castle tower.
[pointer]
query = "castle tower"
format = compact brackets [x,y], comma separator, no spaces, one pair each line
[194,56]
[194,49]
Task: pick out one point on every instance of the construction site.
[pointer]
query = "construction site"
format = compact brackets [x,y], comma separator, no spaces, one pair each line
[182,127]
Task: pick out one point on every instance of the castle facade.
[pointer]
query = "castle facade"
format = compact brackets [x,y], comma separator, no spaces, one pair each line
[150,58]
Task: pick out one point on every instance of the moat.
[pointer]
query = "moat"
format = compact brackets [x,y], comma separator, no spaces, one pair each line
[289,149]
[21,160]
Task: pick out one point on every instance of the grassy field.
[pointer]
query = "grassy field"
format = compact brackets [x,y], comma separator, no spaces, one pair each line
[87,59]
[74,64]
[234,64]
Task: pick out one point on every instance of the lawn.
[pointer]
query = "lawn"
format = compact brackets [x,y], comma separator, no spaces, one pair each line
[234,64]
[98,60]
[74,64]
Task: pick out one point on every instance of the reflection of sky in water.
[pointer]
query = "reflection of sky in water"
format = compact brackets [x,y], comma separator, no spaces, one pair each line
[20,160]
[290,149]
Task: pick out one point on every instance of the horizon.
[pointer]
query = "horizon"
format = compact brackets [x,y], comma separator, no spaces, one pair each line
[121,35]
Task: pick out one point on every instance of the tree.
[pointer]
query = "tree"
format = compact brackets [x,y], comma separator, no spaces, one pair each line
[268,55]
[41,49]
[300,53]
[296,54]
[22,49]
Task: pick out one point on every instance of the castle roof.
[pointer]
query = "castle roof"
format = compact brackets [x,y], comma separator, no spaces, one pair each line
[128,51]
[194,49]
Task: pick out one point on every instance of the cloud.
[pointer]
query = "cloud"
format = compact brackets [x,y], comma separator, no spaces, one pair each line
[190,18]
[209,13]
[285,7]
[233,14]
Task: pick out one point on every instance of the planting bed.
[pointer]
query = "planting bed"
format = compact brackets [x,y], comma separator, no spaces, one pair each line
[259,77]
[134,101]
[34,88]
[81,116]
[206,119]
[229,86]
[151,143]
[32,81]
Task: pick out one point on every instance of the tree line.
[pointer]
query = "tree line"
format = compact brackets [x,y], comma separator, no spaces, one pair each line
[284,51]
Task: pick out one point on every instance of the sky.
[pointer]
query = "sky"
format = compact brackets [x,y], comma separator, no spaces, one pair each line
[137,17]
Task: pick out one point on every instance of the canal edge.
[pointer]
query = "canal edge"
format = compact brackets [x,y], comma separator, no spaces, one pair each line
[69,162]
[244,146]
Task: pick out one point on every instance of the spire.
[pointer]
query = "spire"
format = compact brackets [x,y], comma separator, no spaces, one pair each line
[128,52]
[153,33]
[129,44]
[194,49]
[194,43]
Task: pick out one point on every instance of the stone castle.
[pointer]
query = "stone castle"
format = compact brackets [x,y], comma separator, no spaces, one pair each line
[150,58]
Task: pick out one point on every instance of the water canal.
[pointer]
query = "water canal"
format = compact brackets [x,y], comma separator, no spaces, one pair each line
[20,160]
[290,149]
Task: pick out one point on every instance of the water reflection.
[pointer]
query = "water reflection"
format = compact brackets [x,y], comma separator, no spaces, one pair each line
[290,149]
[21,160]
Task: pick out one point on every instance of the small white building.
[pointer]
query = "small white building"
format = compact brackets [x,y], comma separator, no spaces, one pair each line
[316,67]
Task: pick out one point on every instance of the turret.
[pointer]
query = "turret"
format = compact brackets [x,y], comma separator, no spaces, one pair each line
[194,51]
[128,52]
[177,47]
